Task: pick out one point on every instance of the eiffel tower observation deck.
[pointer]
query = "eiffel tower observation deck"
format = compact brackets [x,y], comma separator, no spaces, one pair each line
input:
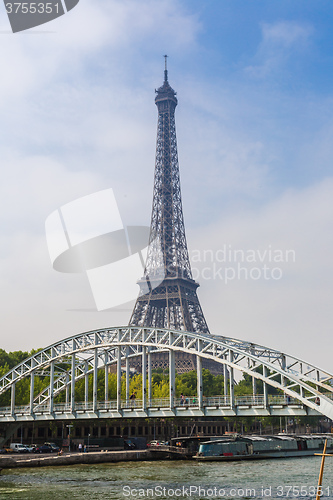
[168,293]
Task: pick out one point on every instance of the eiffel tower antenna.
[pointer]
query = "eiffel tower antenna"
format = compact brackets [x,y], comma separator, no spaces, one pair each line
[165,68]
[168,297]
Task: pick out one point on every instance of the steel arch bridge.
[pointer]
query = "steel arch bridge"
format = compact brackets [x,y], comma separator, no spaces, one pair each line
[304,388]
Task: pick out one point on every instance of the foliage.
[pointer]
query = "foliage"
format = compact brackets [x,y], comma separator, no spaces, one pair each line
[185,383]
[9,360]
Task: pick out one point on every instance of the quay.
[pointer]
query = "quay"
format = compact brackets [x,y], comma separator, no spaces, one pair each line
[93,457]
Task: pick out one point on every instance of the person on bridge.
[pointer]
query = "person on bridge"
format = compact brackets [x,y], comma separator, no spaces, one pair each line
[132,398]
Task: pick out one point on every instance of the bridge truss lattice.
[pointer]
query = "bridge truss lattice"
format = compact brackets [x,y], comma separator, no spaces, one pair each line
[304,388]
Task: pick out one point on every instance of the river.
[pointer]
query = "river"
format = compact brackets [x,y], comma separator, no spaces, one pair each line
[159,480]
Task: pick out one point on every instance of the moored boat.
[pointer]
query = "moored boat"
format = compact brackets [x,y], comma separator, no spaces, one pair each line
[262,447]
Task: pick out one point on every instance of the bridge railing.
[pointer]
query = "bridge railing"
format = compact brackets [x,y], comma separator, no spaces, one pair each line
[187,402]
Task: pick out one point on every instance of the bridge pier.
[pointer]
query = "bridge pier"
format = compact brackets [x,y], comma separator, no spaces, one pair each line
[119,379]
[251,364]
[149,377]
[225,380]
[86,384]
[73,378]
[12,400]
[172,375]
[265,388]
[199,377]
[106,376]
[231,381]
[144,377]
[51,386]
[127,375]
[67,389]
[32,388]
[95,380]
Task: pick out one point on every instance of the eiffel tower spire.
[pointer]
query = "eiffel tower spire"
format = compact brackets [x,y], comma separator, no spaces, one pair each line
[168,297]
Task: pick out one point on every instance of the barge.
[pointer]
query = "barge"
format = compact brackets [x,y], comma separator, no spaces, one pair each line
[262,447]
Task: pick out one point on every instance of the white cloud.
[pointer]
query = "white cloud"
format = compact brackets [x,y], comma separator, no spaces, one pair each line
[280,41]
[285,34]
[78,116]
[75,121]
[293,313]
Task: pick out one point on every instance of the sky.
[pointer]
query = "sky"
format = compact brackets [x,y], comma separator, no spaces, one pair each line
[254,126]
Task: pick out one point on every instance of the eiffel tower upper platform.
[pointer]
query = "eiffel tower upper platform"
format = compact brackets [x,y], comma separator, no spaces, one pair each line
[168,296]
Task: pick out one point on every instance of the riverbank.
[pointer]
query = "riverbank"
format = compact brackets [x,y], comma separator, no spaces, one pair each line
[95,457]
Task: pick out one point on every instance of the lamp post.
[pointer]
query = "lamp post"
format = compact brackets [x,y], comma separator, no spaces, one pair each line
[69,436]
[88,443]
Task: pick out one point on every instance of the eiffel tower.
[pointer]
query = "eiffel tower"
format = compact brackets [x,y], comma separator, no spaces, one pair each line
[168,296]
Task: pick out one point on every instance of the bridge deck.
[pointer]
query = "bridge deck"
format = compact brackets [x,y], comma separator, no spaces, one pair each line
[218,406]
[304,389]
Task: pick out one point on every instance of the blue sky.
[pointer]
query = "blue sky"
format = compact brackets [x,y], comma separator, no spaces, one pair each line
[254,127]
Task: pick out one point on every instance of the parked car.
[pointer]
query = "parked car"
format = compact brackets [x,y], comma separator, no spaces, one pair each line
[153,443]
[32,447]
[53,446]
[29,447]
[19,448]
[157,443]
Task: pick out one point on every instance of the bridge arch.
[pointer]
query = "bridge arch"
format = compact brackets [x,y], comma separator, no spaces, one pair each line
[302,383]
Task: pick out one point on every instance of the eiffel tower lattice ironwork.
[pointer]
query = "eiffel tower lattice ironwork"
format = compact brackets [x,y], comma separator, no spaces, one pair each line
[168,297]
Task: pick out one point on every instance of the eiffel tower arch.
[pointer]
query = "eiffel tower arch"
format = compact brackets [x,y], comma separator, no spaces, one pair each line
[168,293]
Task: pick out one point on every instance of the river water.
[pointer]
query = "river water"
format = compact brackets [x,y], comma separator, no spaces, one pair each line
[159,480]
